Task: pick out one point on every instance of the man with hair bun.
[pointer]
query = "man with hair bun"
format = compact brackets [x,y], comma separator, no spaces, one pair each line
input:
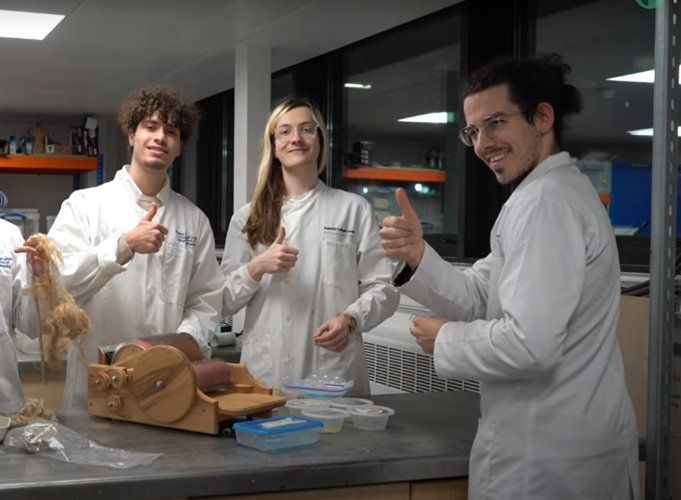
[534,321]
[138,257]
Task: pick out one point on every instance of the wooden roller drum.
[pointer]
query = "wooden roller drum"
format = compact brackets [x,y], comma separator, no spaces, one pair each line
[165,382]
[159,385]
[181,341]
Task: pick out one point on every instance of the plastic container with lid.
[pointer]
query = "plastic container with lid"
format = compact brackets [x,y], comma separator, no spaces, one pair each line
[4,427]
[316,386]
[296,406]
[49,221]
[371,418]
[27,219]
[332,418]
[272,434]
[349,404]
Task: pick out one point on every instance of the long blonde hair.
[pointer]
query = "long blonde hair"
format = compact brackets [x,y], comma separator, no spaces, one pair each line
[262,225]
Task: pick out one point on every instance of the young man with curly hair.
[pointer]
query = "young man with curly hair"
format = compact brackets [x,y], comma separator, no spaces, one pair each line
[138,257]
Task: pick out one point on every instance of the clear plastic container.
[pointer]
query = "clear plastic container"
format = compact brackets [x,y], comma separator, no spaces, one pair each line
[349,404]
[296,406]
[315,386]
[4,426]
[49,221]
[332,418]
[272,434]
[27,219]
[371,418]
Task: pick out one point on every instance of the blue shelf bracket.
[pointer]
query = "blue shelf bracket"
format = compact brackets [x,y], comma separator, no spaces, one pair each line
[100,170]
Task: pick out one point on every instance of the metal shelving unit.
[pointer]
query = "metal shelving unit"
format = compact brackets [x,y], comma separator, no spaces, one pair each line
[663,249]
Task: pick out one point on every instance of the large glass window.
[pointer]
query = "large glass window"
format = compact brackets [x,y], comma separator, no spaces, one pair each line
[215,161]
[401,120]
[612,59]
[282,86]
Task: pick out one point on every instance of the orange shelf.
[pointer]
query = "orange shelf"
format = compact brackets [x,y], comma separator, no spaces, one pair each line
[46,164]
[395,174]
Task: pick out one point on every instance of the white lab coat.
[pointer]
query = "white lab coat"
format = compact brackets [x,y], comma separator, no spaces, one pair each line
[535,323]
[15,312]
[178,289]
[341,267]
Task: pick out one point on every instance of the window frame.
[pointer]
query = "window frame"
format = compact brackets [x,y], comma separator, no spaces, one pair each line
[321,80]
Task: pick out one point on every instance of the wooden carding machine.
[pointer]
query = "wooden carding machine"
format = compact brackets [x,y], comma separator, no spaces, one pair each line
[163,381]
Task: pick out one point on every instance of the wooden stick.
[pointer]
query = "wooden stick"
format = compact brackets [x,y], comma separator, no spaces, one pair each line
[43,371]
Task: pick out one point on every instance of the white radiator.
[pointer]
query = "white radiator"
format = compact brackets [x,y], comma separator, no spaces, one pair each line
[401,365]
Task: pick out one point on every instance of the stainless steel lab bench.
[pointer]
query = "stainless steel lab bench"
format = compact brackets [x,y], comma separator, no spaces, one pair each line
[427,442]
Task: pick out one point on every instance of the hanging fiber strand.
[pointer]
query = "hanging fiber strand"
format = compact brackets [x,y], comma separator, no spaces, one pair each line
[66,324]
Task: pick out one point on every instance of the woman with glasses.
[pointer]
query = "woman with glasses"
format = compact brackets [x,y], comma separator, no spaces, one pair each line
[306,262]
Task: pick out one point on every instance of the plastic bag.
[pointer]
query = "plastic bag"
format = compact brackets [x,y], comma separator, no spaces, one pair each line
[53,440]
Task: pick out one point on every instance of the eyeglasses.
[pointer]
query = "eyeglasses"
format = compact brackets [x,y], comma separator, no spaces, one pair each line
[284,134]
[490,127]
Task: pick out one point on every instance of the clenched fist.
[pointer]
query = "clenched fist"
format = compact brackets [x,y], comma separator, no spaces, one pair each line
[333,335]
[36,263]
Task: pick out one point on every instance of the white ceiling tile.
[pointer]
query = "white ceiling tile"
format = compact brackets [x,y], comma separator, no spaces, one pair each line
[41,6]
[106,48]
[196,11]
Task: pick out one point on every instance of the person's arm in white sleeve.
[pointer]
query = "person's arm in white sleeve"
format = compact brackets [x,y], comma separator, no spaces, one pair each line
[378,299]
[23,312]
[239,285]
[437,285]
[539,287]
[204,294]
[87,267]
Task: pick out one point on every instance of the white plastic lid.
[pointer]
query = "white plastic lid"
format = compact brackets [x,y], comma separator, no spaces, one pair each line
[349,403]
[373,411]
[325,413]
[307,403]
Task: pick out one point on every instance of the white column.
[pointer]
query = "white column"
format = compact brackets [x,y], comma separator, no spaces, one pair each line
[252,96]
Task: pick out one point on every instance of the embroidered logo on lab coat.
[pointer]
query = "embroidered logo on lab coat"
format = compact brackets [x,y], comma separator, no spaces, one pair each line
[6,262]
[339,231]
[190,241]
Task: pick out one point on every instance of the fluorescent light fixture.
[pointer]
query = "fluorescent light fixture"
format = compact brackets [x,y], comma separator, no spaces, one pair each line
[27,25]
[642,77]
[647,132]
[357,85]
[438,117]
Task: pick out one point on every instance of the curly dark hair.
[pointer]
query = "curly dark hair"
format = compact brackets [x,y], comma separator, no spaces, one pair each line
[172,108]
[531,82]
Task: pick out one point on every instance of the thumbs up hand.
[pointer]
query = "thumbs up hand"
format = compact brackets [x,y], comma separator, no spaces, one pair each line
[277,259]
[148,236]
[402,237]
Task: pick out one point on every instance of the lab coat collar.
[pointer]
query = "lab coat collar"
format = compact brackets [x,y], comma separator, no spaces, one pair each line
[291,202]
[130,188]
[551,163]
